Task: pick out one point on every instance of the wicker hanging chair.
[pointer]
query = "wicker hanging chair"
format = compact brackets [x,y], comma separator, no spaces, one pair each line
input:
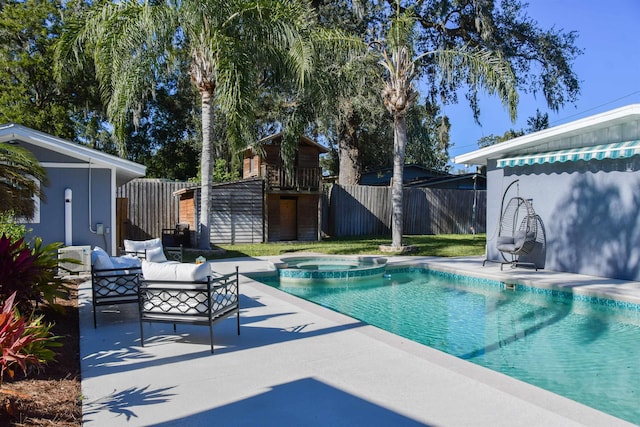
[518,231]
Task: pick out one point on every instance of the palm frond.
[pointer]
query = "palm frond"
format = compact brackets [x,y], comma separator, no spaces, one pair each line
[127,41]
[401,30]
[21,178]
[483,69]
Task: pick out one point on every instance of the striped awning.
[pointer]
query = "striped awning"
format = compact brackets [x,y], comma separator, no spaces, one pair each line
[618,150]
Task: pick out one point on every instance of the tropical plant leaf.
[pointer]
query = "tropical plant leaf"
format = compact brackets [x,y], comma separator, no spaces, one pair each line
[22,342]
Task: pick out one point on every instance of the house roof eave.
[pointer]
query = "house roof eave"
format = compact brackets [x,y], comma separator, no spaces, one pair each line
[126,170]
[304,138]
[546,137]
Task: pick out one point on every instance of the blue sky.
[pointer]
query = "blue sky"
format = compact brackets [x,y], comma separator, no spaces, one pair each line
[609,69]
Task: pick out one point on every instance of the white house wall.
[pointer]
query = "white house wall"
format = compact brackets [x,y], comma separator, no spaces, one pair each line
[590,210]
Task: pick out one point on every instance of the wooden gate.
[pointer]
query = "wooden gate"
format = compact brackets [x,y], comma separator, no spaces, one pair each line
[122,205]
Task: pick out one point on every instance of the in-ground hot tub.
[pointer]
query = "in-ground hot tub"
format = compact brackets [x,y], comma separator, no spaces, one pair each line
[329,269]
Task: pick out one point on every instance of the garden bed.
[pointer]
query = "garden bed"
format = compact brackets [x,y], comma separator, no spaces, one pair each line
[52,396]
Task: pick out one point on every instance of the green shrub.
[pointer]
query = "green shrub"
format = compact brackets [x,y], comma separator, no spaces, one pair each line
[10,227]
[49,285]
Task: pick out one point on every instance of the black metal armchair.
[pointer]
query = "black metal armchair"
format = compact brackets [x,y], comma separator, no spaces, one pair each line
[176,237]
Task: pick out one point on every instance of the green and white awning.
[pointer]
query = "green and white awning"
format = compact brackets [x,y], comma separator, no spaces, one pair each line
[618,150]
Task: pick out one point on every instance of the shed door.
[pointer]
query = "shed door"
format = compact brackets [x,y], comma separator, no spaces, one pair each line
[288,219]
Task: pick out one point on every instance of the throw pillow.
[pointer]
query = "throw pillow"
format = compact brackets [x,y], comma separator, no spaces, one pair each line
[156,255]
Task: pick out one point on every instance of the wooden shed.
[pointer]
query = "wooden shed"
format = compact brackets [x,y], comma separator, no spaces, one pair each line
[268,204]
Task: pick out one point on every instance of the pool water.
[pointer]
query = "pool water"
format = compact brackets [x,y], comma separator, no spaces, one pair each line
[586,352]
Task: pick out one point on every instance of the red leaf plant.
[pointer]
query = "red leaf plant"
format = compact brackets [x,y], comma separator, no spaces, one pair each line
[18,338]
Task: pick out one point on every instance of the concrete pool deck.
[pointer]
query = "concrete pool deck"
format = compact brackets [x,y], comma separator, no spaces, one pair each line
[296,363]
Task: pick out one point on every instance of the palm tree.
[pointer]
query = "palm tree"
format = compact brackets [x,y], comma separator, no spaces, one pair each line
[482,68]
[21,178]
[229,44]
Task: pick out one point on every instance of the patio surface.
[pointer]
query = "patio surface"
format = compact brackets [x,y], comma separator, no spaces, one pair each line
[296,363]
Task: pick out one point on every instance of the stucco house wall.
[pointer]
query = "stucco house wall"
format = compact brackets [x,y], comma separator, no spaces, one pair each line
[51,226]
[91,175]
[589,209]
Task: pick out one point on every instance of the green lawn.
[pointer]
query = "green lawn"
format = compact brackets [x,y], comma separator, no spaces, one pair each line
[439,245]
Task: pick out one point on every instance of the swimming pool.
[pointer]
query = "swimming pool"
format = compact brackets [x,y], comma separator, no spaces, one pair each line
[584,351]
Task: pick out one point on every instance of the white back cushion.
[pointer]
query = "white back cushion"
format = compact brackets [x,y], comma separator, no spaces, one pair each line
[100,259]
[156,255]
[175,271]
[125,261]
[152,246]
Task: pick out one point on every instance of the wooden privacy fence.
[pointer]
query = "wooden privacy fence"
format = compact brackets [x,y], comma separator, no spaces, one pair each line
[151,207]
[355,210]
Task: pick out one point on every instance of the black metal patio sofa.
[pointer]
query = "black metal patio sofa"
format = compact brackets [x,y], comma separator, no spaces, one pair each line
[194,302]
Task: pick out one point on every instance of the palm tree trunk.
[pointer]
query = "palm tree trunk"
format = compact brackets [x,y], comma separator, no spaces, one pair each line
[206,161]
[399,147]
